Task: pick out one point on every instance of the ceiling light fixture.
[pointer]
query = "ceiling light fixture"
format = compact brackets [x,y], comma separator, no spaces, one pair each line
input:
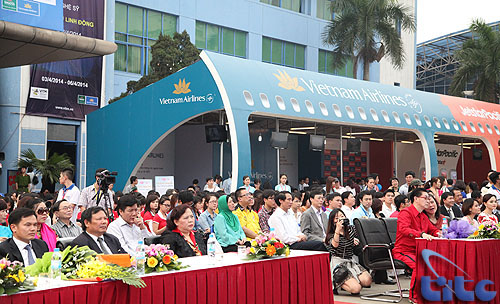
[376,139]
[406,142]
[302,128]
[260,137]
[359,133]
[297,132]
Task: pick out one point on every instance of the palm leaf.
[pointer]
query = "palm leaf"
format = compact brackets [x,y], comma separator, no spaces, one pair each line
[49,168]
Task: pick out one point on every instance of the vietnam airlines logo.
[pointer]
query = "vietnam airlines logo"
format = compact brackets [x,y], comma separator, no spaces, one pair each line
[287,82]
[27,5]
[182,87]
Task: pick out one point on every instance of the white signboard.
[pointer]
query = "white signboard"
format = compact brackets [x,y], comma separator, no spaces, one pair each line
[163,183]
[144,186]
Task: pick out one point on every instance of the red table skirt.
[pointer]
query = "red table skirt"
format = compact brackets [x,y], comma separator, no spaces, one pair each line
[479,259]
[303,279]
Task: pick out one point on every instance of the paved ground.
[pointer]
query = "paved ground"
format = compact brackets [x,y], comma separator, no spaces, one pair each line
[347,298]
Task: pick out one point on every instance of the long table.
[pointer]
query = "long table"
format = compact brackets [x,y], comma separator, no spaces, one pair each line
[303,277]
[477,259]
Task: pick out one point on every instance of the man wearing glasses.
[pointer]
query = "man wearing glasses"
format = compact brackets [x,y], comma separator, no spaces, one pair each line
[64,227]
[249,219]
[413,224]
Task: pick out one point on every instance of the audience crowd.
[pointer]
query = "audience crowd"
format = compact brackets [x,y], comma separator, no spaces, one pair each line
[312,217]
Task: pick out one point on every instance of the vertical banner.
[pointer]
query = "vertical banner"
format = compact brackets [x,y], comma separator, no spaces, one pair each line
[70,89]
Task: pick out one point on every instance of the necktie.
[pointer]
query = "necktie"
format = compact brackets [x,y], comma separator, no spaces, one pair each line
[31,260]
[102,245]
[452,215]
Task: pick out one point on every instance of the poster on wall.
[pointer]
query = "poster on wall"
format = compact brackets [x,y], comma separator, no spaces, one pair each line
[46,14]
[144,186]
[70,89]
[163,183]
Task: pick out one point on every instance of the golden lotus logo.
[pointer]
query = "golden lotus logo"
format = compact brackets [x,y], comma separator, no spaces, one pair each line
[287,82]
[27,6]
[182,87]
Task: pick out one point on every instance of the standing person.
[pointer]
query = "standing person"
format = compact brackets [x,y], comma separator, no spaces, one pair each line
[23,181]
[435,187]
[329,185]
[129,227]
[267,210]
[409,176]
[471,209]
[489,205]
[160,219]
[314,221]
[249,220]
[282,186]
[257,183]
[412,224]
[340,241]
[64,227]
[69,192]
[448,207]
[348,202]
[364,210]
[296,203]
[132,187]
[210,186]
[246,184]
[88,197]
[207,218]
[226,185]
[95,222]
[23,246]
[377,181]
[388,206]
[227,227]
[218,181]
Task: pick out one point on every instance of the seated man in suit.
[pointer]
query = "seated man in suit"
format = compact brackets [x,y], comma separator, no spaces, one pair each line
[95,223]
[314,221]
[23,246]
[448,207]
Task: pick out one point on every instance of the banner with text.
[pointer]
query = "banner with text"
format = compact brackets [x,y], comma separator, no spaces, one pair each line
[70,89]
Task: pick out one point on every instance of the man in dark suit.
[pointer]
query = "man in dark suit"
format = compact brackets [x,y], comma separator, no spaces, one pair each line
[448,207]
[23,246]
[95,223]
[314,221]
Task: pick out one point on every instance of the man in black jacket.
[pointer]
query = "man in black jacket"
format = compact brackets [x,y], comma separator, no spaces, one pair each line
[95,223]
[23,246]
[448,207]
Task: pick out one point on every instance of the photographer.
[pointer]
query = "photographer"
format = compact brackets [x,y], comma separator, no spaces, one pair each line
[340,242]
[88,197]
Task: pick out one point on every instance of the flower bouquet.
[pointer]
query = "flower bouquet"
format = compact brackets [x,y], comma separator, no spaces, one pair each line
[98,271]
[160,258]
[459,230]
[12,277]
[487,230]
[265,245]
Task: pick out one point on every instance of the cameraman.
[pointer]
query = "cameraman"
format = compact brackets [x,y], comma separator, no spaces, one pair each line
[88,197]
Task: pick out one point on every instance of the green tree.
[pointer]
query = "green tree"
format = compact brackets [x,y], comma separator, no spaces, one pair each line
[479,63]
[169,55]
[365,31]
[49,168]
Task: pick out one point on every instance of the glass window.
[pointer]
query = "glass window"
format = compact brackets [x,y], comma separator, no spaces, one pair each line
[240,44]
[289,54]
[324,10]
[121,58]
[212,38]
[154,24]
[276,51]
[300,56]
[121,21]
[266,49]
[201,35]
[134,59]
[120,37]
[169,24]
[321,61]
[294,5]
[227,41]
[325,65]
[136,21]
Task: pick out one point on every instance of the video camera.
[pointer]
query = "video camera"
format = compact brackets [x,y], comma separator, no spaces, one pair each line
[105,178]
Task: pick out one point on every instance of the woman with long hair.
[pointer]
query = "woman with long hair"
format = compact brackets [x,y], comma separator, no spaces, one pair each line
[160,219]
[471,209]
[432,212]
[489,204]
[340,241]
[435,187]
[329,185]
[150,210]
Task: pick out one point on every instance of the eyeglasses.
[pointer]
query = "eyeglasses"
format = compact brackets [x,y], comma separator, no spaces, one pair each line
[42,211]
[424,197]
[247,194]
[65,208]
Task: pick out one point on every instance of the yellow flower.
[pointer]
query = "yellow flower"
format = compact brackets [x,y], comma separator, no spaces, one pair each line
[476,233]
[287,251]
[14,277]
[270,250]
[252,250]
[2,266]
[481,227]
[21,276]
[152,262]
[254,243]
[175,257]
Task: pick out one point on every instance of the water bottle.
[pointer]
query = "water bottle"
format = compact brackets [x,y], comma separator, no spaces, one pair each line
[55,265]
[211,248]
[140,258]
[444,227]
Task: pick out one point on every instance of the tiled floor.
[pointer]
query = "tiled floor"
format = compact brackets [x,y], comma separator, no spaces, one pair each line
[345,297]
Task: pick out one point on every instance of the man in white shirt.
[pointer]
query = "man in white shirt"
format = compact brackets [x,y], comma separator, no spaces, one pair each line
[129,228]
[388,206]
[210,186]
[337,187]
[348,201]
[286,228]
[69,192]
[409,176]
[88,197]
[23,246]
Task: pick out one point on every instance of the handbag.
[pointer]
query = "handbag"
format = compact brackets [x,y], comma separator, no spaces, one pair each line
[340,273]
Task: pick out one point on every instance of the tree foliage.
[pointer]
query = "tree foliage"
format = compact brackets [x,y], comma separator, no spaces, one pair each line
[49,168]
[479,63]
[365,31]
[169,55]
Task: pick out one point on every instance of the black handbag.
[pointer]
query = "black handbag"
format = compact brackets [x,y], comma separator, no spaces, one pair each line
[340,274]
